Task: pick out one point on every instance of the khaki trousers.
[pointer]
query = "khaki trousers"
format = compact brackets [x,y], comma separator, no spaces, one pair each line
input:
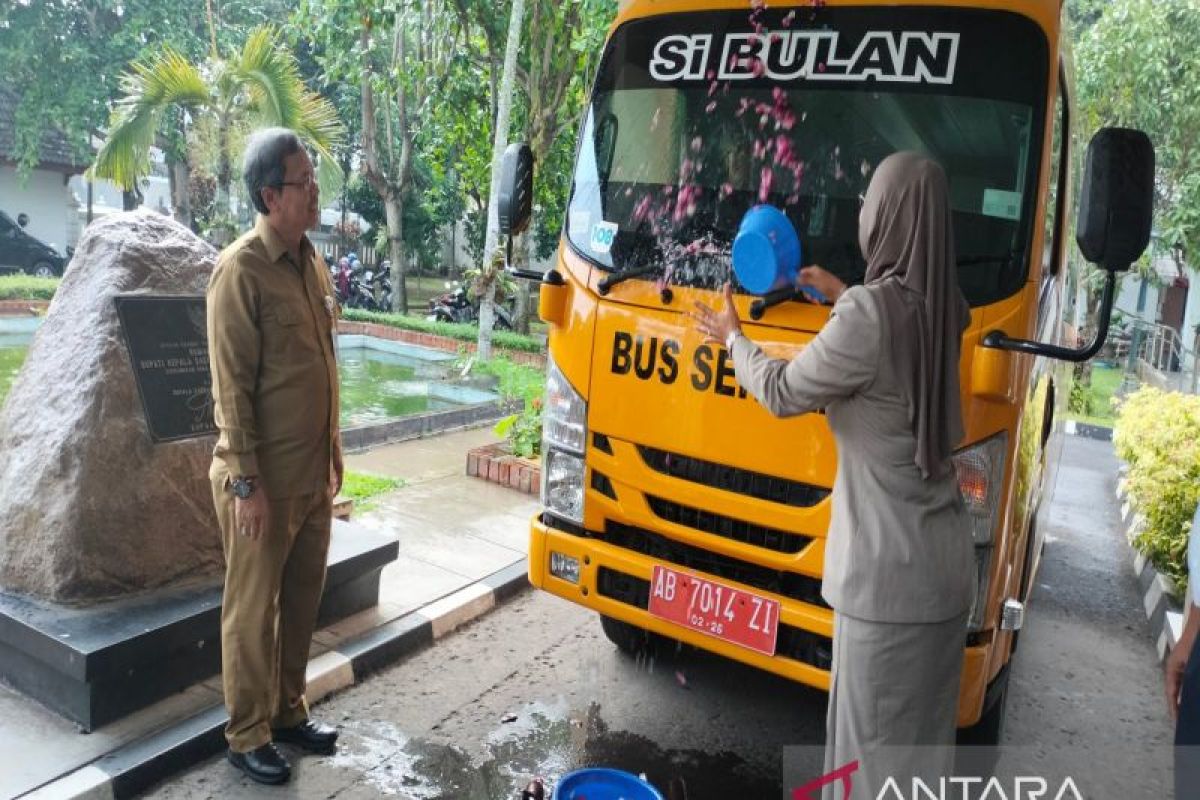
[893,703]
[272,592]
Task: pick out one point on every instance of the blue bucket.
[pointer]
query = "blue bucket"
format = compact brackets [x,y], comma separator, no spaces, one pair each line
[766,252]
[598,783]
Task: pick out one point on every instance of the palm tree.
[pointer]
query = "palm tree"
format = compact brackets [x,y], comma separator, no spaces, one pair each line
[260,86]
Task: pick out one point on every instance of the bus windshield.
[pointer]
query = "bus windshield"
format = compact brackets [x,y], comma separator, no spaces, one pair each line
[695,118]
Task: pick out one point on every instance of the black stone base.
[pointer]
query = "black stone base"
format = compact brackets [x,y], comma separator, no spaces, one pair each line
[95,665]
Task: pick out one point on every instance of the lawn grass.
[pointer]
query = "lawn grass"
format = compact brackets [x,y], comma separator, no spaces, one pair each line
[11,359]
[362,487]
[517,381]
[1105,382]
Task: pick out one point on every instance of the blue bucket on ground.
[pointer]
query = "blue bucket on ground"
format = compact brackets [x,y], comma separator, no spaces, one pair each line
[598,783]
[766,252]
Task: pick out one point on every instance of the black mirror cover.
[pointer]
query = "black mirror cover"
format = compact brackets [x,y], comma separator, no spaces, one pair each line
[1116,204]
[514,204]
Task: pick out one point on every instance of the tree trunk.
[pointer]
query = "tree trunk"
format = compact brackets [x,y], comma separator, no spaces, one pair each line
[181,196]
[224,169]
[393,208]
[521,249]
[499,141]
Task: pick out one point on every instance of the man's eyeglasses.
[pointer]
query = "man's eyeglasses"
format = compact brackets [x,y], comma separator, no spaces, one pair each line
[308,182]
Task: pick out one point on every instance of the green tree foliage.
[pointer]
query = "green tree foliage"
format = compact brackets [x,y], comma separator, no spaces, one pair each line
[64,58]
[565,44]
[401,55]
[1136,67]
[257,86]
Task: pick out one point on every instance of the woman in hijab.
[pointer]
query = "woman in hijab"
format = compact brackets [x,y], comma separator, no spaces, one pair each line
[899,566]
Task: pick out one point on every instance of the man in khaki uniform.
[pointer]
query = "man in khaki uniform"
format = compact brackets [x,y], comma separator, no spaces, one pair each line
[278,460]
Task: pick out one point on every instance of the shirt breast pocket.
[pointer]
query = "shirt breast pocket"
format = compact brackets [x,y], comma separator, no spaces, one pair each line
[284,332]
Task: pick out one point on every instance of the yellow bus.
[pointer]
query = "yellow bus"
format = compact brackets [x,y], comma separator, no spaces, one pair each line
[662,479]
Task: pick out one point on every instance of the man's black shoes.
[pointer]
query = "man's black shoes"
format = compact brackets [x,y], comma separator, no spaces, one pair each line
[308,735]
[263,764]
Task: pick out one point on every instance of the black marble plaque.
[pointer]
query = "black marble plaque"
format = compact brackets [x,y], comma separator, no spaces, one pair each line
[168,346]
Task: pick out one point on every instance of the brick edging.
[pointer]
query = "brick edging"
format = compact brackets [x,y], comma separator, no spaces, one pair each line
[494,463]
[444,343]
[23,308]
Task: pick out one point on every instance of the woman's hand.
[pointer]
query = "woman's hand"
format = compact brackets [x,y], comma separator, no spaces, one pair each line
[717,325]
[1176,663]
[823,281]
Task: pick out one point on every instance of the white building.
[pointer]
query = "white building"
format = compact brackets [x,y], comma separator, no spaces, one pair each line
[43,194]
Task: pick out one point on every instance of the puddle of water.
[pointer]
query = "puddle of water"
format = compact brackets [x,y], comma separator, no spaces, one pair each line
[548,740]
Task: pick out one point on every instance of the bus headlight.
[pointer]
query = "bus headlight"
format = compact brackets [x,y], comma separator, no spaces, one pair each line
[564,415]
[564,431]
[562,485]
[980,471]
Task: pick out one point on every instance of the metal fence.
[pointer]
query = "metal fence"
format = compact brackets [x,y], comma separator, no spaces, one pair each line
[1157,354]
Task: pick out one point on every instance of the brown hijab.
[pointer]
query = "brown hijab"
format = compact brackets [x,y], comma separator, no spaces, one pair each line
[908,242]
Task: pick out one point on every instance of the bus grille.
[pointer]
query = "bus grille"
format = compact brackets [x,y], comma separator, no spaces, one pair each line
[732,479]
[728,527]
[648,543]
[794,643]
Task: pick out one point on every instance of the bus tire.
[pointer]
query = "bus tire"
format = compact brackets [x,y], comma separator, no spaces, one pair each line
[990,727]
[628,638]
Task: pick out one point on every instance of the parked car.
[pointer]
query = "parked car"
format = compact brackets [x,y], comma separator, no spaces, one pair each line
[20,252]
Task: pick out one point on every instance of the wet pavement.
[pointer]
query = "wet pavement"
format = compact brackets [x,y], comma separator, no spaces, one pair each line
[535,688]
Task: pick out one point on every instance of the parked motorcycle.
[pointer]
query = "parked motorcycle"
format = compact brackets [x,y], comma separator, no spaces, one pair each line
[456,306]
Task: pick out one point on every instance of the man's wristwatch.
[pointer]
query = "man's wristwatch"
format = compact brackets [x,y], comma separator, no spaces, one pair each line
[731,338]
[242,487]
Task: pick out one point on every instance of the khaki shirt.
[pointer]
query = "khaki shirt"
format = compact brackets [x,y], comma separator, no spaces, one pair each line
[271,325]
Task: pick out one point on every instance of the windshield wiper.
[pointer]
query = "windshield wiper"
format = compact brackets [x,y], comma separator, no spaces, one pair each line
[760,306]
[615,278]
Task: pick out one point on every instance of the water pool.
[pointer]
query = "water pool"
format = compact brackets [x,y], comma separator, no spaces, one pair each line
[380,380]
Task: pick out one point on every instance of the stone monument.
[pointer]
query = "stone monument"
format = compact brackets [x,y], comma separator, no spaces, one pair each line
[90,507]
[110,552]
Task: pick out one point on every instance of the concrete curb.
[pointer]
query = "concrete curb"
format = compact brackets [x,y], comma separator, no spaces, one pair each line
[1163,612]
[1098,432]
[140,764]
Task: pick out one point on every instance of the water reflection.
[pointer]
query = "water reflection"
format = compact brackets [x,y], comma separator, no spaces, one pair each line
[545,739]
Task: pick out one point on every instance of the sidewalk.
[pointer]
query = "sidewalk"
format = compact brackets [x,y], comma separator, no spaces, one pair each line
[463,543]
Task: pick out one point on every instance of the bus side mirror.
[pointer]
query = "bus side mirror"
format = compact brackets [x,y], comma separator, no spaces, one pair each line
[1113,227]
[514,200]
[1116,204]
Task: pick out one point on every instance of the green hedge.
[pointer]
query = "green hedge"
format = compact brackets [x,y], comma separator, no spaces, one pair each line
[1158,435]
[462,332]
[27,287]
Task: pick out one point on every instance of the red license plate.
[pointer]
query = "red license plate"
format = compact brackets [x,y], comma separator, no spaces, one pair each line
[715,609]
